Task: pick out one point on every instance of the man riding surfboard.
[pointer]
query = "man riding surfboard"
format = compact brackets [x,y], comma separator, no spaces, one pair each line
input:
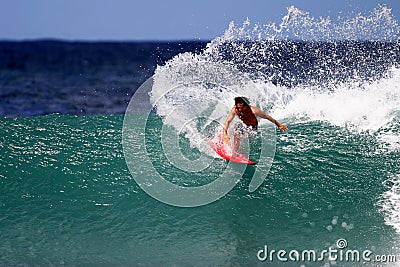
[248,115]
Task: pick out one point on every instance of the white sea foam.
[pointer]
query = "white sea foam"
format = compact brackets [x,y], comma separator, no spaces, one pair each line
[390,203]
[364,108]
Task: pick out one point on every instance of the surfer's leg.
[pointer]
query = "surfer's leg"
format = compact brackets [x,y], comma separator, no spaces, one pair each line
[238,134]
[236,142]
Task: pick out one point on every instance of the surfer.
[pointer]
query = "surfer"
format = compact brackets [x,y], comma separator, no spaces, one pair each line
[248,126]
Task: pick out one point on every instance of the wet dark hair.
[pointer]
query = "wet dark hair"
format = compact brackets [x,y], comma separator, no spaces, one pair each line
[242,100]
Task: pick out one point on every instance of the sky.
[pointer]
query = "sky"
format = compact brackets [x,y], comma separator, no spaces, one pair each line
[154,20]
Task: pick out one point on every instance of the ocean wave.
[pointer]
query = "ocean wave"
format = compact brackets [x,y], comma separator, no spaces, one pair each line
[345,73]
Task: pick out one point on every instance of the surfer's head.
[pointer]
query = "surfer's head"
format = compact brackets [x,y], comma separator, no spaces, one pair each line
[242,100]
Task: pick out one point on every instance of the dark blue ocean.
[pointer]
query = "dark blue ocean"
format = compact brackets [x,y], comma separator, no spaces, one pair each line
[77,78]
[99,138]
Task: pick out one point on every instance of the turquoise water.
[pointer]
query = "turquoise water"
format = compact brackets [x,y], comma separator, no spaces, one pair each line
[67,198]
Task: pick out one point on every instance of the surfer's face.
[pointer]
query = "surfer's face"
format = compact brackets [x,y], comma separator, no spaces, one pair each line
[241,106]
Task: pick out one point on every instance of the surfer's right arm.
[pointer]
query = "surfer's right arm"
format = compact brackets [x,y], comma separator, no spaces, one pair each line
[226,125]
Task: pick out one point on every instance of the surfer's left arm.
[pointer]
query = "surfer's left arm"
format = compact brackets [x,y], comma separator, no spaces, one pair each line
[259,113]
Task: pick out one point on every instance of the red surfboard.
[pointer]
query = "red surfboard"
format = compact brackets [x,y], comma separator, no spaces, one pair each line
[225,152]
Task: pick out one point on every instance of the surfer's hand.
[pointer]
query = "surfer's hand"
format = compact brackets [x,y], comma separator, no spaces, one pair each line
[225,138]
[282,127]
